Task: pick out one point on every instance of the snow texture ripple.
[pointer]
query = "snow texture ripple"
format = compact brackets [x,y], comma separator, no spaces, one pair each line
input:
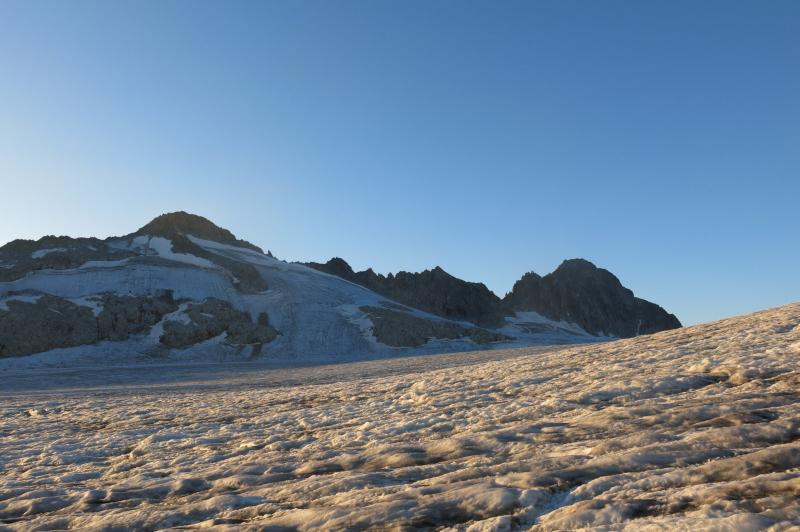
[691,429]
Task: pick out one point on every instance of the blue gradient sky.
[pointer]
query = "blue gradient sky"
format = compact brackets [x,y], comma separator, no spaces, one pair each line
[660,140]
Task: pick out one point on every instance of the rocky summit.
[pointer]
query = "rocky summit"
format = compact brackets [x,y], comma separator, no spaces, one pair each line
[593,298]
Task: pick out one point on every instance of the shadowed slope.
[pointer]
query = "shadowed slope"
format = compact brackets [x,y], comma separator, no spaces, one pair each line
[576,292]
[591,297]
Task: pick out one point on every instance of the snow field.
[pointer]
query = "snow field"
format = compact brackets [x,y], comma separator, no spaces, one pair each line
[692,429]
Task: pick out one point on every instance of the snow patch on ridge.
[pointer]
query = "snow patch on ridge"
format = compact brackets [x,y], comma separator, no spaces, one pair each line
[95,303]
[25,298]
[163,248]
[178,315]
[39,253]
[105,263]
[522,319]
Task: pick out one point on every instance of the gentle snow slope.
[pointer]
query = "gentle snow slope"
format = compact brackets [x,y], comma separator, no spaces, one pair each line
[691,429]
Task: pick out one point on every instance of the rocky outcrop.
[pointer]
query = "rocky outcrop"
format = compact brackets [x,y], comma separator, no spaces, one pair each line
[434,291]
[591,297]
[123,316]
[214,317]
[41,322]
[48,322]
[402,329]
[20,257]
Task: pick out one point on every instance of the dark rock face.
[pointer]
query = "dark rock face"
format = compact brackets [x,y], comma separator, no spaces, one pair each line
[434,291]
[591,297]
[123,316]
[213,317]
[339,267]
[48,323]
[401,329]
[20,257]
[577,292]
[248,280]
[52,322]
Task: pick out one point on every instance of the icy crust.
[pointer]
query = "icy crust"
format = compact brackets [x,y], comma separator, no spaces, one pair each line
[691,429]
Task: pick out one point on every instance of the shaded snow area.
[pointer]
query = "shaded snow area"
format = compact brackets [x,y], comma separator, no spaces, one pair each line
[319,316]
[692,429]
[39,253]
[163,248]
[534,325]
[27,298]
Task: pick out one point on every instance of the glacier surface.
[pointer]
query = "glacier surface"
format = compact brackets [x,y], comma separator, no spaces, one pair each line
[318,315]
[691,429]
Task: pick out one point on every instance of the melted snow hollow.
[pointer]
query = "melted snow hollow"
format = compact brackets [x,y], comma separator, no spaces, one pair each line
[692,429]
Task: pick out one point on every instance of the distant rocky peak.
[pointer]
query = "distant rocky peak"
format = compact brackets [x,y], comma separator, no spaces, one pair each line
[339,266]
[183,223]
[577,265]
[593,298]
[582,271]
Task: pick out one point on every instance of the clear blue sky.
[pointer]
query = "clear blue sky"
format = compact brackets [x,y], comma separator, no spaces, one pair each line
[660,140]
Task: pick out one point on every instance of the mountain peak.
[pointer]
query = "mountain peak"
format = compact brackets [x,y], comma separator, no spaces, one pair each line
[183,223]
[593,298]
[576,265]
[579,271]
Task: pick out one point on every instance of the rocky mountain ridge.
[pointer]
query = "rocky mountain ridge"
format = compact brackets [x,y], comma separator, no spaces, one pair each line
[181,286]
[576,292]
[434,291]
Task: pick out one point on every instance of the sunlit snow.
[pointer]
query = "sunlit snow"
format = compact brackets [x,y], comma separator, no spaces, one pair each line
[690,429]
